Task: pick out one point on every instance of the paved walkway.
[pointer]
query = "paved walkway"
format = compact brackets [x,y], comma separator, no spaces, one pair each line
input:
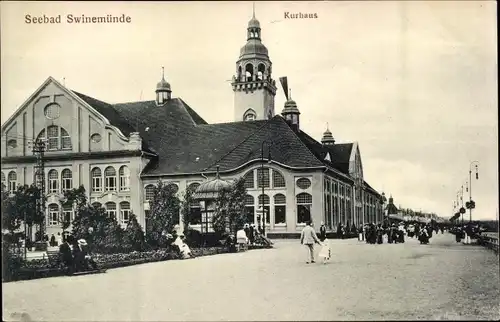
[443,280]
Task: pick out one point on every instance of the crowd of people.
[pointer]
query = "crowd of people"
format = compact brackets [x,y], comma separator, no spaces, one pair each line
[374,234]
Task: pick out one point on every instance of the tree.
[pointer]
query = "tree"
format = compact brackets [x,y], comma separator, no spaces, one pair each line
[133,237]
[230,207]
[77,200]
[185,205]
[163,214]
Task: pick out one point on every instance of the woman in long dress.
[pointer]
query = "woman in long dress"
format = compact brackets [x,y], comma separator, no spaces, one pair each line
[184,249]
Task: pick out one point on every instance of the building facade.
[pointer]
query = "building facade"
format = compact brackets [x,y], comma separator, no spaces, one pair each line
[118,152]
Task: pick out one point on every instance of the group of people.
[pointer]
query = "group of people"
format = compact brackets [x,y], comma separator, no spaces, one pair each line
[396,233]
[309,238]
[76,256]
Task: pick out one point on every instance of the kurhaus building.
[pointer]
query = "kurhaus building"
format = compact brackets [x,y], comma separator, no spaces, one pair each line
[118,152]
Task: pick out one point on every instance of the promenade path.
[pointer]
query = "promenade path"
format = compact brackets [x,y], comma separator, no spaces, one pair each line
[443,280]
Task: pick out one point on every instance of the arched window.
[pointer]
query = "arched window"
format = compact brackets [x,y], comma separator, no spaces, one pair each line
[304,205]
[57,138]
[278,180]
[239,73]
[111,210]
[174,187]
[279,209]
[124,178]
[12,177]
[264,199]
[124,212]
[250,179]
[3,181]
[263,177]
[110,179]
[53,181]
[67,180]
[248,72]
[96,205]
[260,71]
[53,216]
[250,209]
[149,192]
[193,186]
[96,179]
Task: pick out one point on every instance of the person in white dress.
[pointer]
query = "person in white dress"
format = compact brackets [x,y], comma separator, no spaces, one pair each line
[184,249]
[325,251]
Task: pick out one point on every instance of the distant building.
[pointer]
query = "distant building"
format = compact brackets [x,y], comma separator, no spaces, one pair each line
[120,151]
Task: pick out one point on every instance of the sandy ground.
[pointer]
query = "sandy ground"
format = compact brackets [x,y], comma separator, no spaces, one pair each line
[443,280]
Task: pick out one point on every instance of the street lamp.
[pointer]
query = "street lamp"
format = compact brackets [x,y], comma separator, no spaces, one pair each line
[472,204]
[263,216]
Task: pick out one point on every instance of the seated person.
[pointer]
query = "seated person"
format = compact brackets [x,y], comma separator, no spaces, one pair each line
[82,257]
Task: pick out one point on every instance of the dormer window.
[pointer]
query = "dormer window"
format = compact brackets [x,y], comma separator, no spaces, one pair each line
[249,115]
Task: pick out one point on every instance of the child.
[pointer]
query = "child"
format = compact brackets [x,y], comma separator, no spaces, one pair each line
[325,251]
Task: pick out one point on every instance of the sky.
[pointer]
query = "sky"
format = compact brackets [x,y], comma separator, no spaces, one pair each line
[414,83]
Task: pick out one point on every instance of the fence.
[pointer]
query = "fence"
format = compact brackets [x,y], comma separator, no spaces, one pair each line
[489,240]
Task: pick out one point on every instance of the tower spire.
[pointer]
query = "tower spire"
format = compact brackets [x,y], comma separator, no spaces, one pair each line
[253,13]
[290,94]
[162,72]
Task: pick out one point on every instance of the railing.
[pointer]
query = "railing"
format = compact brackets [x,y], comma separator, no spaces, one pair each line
[489,240]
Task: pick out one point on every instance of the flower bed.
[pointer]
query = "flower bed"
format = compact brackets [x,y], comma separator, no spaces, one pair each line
[197,252]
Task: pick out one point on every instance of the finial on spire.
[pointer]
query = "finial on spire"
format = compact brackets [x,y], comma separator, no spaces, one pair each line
[162,72]
[290,93]
[218,176]
[327,128]
[253,15]
[64,81]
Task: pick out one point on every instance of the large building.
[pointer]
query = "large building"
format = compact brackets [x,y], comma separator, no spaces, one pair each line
[118,152]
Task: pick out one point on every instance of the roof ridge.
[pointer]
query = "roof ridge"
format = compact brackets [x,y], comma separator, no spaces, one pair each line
[133,102]
[100,101]
[237,145]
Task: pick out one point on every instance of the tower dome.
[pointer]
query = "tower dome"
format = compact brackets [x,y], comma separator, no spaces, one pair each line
[327,137]
[254,23]
[291,113]
[163,90]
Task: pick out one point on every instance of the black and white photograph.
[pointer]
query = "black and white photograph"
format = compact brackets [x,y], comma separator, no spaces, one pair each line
[249,161]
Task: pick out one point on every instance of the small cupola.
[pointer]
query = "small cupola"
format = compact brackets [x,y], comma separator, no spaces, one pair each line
[327,138]
[163,90]
[291,113]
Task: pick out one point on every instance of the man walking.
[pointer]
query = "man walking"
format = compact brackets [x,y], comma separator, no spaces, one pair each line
[308,237]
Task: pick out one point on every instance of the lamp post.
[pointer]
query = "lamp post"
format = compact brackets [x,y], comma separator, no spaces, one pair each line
[263,216]
[471,204]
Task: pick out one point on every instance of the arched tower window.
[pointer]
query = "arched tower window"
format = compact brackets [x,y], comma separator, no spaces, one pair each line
[239,72]
[248,72]
[260,71]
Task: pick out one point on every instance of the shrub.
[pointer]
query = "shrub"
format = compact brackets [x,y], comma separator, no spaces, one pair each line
[133,236]
[193,238]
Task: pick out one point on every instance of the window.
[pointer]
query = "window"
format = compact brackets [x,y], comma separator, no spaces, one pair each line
[280,209]
[304,205]
[96,180]
[264,199]
[250,180]
[52,137]
[194,207]
[52,111]
[124,178]
[111,210]
[52,219]
[278,180]
[303,183]
[124,212]
[12,181]
[96,205]
[250,117]
[68,213]
[193,186]
[95,138]
[110,178]
[56,137]
[12,144]
[53,181]
[3,181]
[67,180]
[150,192]
[249,209]
[263,177]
